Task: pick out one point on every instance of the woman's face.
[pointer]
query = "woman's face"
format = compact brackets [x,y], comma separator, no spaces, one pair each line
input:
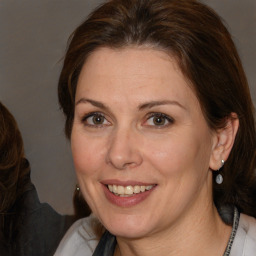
[141,146]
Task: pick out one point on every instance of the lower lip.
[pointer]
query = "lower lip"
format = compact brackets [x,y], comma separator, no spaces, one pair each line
[126,201]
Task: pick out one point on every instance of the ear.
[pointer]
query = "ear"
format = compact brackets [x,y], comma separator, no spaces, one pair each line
[223,142]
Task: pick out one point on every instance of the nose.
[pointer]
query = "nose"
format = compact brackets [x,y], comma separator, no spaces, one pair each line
[124,151]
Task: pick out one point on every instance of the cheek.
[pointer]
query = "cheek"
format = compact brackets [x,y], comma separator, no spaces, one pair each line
[168,152]
[86,161]
[176,156]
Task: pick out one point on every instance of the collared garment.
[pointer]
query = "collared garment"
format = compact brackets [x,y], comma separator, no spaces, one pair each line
[245,240]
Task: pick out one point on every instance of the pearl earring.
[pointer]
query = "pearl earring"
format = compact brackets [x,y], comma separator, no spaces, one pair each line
[219,177]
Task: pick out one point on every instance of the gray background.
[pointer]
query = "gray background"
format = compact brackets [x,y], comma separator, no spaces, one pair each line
[33,37]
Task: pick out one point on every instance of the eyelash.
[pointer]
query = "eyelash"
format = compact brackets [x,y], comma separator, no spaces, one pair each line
[94,114]
[149,116]
[160,115]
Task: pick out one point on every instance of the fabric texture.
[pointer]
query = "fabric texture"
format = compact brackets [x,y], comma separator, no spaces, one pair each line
[245,240]
[39,228]
[80,240]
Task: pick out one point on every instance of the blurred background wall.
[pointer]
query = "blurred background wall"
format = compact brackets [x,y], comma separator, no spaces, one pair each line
[33,36]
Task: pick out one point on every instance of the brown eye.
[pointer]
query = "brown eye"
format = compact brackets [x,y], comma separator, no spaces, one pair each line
[98,119]
[95,120]
[159,120]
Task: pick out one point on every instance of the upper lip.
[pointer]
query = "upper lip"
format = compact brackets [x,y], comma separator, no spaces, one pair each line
[126,183]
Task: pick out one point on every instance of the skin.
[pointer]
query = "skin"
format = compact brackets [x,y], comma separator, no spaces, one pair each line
[126,88]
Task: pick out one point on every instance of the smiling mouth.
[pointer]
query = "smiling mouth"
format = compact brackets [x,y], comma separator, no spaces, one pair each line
[127,191]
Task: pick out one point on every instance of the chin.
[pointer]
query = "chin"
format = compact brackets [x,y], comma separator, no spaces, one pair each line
[129,227]
[124,232]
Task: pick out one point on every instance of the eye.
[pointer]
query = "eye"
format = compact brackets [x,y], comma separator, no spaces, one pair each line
[159,120]
[95,119]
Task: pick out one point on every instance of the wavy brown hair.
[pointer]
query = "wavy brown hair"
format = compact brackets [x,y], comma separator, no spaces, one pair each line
[14,172]
[197,38]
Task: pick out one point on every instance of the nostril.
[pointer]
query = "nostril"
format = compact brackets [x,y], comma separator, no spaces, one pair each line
[122,163]
[123,151]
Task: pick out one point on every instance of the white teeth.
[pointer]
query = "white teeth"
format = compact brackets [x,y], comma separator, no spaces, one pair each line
[114,189]
[120,190]
[136,189]
[128,190]
[110,187]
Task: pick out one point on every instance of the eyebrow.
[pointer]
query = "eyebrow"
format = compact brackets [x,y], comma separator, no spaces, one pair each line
[93,102]
[143,106]
[152,104]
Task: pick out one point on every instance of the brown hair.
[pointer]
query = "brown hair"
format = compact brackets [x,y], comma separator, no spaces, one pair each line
[81,208]
[14,170]
[196,36]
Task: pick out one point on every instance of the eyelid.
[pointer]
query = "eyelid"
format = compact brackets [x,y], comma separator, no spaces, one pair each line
[87,115]
[91,114]
[159,114]
[169,119]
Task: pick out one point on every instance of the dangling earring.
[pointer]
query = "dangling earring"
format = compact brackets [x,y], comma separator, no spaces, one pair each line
[219,177]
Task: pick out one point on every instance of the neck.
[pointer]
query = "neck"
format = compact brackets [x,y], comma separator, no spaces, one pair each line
[200,233]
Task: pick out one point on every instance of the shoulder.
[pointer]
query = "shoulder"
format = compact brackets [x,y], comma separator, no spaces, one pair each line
[38,227]
[245,239]
[80,239]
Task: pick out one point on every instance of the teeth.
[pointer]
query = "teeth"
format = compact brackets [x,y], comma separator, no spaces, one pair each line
[136,189]
[120,190]
[114,189]
[128,190]
[110,187]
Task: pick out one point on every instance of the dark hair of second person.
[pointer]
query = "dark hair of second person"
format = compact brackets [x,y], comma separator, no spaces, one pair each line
[14,172]
[27,227]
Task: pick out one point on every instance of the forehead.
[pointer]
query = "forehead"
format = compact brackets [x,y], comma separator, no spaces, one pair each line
[134,73]
[141,56]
